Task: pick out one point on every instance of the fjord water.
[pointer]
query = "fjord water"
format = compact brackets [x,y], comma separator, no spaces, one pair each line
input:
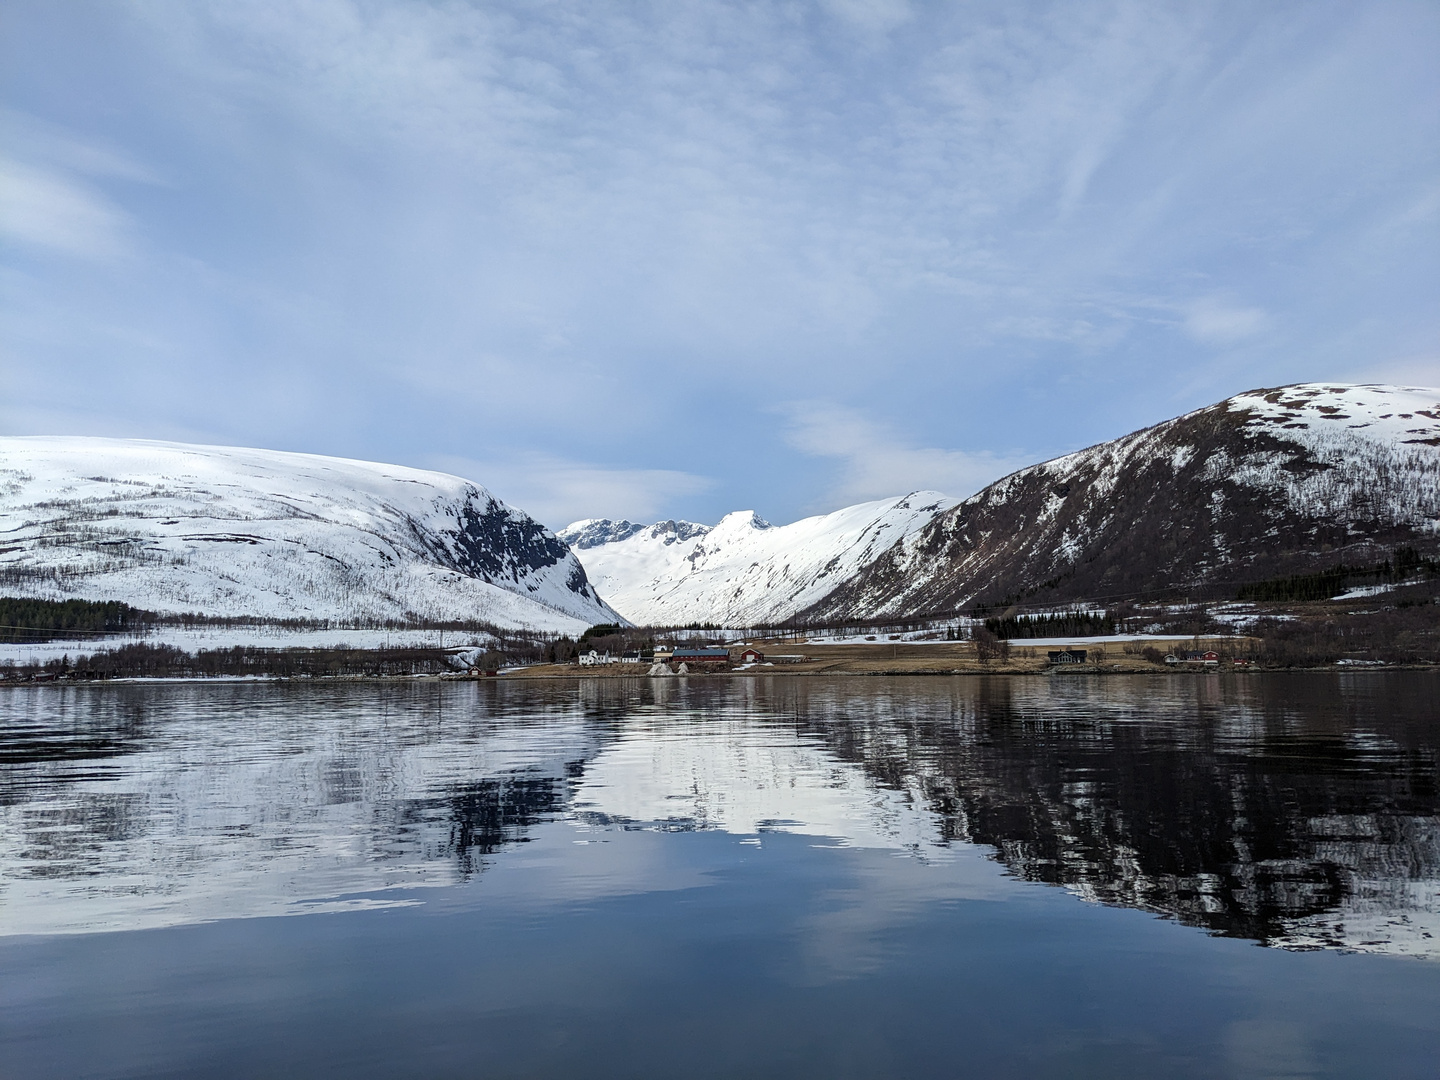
[1075,876]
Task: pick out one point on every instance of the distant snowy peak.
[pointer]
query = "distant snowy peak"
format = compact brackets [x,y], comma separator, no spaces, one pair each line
[743,569]
[592,532]
[241,532]
[741,520]
[1270,481]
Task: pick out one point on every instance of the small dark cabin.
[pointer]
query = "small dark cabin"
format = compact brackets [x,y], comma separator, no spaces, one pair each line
[701,656]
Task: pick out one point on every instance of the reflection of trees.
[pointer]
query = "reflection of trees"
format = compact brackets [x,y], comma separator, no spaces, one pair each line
[1241,805]
[1237,820]
[66,840]
[478,818]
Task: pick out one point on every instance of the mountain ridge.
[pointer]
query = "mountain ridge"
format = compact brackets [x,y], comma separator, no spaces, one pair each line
[1274,480]
[1270,481]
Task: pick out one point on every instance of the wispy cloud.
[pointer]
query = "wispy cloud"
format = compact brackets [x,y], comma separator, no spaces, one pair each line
[515,232]
[870,16]
[556,491]
[33,139]
[45,209]
[1418,370]
[1216,321]
[51,190]
[877,462]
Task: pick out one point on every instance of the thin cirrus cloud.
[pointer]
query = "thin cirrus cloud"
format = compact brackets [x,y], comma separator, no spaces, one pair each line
[1216,321]
[47,210]
[875,462]
[870,16]
[52,198]
[558,492]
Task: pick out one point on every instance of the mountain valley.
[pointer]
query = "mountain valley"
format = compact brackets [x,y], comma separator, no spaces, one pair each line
[744,570]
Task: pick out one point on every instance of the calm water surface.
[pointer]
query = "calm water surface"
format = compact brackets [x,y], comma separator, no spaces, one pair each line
[1073,877]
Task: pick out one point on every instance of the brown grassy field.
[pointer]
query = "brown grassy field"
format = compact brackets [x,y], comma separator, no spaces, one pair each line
[901,658]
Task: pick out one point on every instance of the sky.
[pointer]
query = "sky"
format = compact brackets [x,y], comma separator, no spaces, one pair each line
[674,259]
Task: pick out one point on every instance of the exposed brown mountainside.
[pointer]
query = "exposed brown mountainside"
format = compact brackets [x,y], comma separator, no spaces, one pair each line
[1267,482]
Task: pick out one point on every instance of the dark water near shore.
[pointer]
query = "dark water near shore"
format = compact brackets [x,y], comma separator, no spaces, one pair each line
[1073,877]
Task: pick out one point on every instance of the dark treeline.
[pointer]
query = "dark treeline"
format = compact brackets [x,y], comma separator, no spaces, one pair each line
[1325,584]
[166,661]
[617,640]
[800,626]
[113,616]
[27,619]
[1404,634]
[1068,624]
[603,638]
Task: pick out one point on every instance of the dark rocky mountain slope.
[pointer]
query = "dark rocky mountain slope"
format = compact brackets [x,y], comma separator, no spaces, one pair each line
[1271,481]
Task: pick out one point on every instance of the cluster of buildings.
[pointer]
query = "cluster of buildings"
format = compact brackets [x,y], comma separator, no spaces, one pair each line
[1196,658]
[703,657]
[1187,657]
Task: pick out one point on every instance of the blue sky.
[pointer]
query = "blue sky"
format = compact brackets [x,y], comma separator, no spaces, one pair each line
[675,259]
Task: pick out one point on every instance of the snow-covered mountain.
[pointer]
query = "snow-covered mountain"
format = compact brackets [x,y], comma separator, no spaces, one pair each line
[1271,481]
[743,570]
[226,531]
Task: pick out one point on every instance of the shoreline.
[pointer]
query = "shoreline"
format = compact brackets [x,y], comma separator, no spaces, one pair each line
[1109,671]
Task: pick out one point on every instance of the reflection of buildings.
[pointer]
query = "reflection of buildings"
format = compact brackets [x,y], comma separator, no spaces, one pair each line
[1303,812]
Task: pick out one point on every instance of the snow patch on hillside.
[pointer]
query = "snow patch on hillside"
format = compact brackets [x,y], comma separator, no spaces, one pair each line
[1311,412]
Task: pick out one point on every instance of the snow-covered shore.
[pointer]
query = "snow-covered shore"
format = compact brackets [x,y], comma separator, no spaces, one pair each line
[260,636]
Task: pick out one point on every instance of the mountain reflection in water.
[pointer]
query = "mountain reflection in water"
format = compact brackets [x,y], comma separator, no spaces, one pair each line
[1297,810]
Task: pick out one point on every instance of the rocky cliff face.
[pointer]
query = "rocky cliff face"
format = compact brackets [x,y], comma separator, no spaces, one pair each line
[1271,481]
[225,531]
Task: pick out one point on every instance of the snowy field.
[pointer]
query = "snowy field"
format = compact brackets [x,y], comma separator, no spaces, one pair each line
[1112,639]
[920,639]
[257,636]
